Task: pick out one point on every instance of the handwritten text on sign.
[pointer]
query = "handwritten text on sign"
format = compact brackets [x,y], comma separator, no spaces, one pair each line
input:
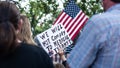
[54,39]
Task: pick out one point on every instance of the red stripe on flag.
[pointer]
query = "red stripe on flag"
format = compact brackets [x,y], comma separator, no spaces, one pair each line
[77,32]
[68,23]
[62,18]
[58,18]
[66,20]
[77,24]
[76,28]
[74,21]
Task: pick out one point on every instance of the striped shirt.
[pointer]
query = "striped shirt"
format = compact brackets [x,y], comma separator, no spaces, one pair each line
[98,46]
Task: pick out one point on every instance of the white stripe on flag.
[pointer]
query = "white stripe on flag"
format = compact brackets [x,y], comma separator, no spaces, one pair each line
[82,22]
[68,21]
[73,21]
[64,19]
[60,18]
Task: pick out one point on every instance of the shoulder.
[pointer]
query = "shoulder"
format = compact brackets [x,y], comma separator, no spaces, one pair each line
[100,19]
[34,51]
[96,23]
[31,48]
[36,55]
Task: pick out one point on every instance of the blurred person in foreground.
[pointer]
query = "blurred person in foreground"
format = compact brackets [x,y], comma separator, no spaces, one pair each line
[14,53]
[25,33]
[98,46]
[59,65]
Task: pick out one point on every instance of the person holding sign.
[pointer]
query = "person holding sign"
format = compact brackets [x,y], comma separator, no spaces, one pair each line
[52,40]
[14,53]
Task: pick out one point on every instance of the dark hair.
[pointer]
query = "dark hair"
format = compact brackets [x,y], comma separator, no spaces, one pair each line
[116,1]
[9,17]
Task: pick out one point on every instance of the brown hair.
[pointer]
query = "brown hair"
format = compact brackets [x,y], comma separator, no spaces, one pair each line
[25,35]
[9,17]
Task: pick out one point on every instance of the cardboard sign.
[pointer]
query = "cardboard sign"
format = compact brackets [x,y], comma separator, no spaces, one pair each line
[54,39]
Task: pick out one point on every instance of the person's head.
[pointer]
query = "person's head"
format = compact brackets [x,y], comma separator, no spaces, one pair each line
[9,26]
[108,3]
[25,34]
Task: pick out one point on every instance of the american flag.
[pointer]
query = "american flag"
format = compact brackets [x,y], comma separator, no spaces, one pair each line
[72,18]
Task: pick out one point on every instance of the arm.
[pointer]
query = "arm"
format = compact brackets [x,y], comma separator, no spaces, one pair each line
[63,58]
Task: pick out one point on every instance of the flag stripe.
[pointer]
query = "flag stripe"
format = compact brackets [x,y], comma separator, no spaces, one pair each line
[77,32]
[79,18]
[64,19]
[78,26]
[68,21]
[70,24]
[60,17]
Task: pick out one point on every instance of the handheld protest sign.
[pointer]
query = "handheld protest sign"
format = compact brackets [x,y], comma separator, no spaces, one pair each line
[54,38]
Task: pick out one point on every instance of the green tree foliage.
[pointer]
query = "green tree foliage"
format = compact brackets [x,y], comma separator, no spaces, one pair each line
[90,7]
[36,10]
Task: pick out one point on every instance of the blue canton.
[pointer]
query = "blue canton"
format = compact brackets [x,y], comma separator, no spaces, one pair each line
[72,9]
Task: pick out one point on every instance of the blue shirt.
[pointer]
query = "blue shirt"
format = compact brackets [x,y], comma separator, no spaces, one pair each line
[99,44]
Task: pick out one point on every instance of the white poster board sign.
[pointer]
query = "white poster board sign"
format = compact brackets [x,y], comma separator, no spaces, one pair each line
[54,39]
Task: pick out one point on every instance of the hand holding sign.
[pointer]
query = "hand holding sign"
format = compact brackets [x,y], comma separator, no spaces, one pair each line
[54,38]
